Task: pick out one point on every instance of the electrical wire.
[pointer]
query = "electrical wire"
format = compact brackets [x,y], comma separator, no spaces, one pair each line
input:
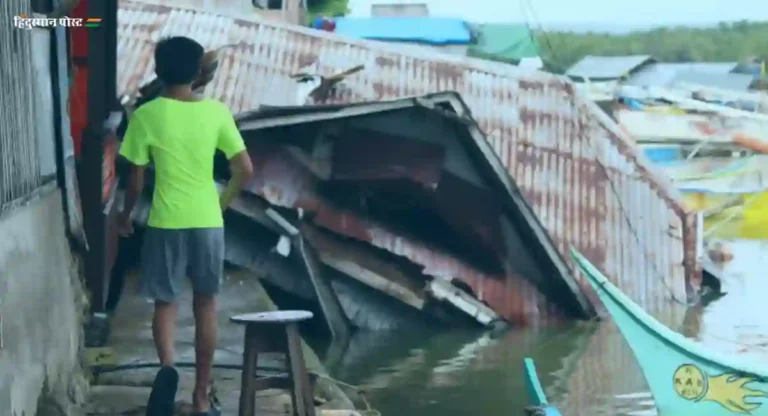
[635,234]
[529,9]
[529,13]
[368,411]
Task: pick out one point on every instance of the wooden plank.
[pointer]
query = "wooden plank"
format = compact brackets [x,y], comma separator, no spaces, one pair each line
[445,291]
[334,314]
[374,280]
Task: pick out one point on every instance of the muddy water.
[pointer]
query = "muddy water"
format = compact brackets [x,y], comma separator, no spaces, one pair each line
[586,368]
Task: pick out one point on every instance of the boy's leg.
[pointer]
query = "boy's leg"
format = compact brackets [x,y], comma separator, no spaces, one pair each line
[164,331]
[206,267]
[163,265]
[206,335]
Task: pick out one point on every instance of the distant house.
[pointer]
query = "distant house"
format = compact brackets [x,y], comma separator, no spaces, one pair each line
[399,10]
[286,11]
[720,75]
[506,42]
[388,8]
[449,35]
[607,68]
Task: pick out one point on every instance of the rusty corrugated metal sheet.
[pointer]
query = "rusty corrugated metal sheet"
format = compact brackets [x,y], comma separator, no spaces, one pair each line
[284,182]
[626,221]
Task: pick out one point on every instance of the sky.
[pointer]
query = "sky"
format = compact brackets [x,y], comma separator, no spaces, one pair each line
[637,13]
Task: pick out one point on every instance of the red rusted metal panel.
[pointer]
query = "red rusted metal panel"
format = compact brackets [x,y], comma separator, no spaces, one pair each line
[78,90]
[587,184]
[283,181]
[79,35]
[368,155]
[473,210]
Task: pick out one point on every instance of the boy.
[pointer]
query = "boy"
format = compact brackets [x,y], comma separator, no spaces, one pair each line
[181,132]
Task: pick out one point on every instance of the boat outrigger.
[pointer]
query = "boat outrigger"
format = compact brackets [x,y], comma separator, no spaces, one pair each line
[684,377]
[538,405]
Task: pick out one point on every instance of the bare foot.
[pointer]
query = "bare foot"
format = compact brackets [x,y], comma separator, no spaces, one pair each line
[200,402]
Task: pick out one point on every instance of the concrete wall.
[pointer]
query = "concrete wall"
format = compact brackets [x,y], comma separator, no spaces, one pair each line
[39,294]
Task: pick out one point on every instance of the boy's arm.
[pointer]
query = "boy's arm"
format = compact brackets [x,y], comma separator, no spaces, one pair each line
[134,149]
[231,143]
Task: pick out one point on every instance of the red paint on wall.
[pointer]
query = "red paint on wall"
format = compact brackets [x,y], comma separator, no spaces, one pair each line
[78,91]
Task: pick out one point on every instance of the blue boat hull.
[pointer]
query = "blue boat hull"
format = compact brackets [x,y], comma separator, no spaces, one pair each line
[536,397]
[684,377]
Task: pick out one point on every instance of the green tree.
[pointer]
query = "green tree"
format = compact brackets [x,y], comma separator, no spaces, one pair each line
[724,42]
[328,8]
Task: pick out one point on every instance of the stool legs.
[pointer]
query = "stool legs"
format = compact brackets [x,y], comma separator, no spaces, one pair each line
[248,381]
[272,338]
[303,398]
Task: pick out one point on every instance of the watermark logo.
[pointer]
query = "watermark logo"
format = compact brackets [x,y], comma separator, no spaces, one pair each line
[23,21]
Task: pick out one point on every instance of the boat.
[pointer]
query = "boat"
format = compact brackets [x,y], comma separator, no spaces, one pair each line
[731,193]
[683,123]
[537,400]
[685,377]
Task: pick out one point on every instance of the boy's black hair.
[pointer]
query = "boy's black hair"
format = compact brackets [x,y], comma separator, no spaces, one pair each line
[178,60]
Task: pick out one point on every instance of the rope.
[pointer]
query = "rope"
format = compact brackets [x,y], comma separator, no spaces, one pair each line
[368,411]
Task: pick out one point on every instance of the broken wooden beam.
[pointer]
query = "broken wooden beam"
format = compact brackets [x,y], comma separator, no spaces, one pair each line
[443,290]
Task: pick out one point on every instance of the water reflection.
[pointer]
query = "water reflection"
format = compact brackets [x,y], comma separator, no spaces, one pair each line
[458,373]
[586,369]
[736,324]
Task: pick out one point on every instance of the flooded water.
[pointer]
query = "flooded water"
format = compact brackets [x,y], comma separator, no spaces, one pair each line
[585,368]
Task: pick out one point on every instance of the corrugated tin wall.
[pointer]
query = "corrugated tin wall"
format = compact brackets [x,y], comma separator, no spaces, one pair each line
[19,160]
[583,179]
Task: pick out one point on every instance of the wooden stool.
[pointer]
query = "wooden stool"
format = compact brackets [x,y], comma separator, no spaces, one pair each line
[275,332]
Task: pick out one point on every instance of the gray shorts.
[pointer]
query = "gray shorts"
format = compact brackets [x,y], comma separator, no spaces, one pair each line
[170,255]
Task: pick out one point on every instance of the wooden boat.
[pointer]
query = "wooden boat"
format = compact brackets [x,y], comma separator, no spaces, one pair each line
[730,192]
[668,125]
[538,405]
[684,377]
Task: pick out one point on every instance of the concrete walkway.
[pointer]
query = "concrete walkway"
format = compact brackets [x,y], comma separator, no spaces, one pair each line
[126,392]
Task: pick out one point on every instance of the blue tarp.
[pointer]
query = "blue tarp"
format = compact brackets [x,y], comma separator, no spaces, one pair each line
[436,31]
[666,156]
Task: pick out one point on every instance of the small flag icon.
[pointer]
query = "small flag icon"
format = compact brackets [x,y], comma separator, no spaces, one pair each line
[92,22]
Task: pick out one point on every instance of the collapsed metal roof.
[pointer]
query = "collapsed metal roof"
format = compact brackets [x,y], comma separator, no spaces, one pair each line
[586,182]
[556,281]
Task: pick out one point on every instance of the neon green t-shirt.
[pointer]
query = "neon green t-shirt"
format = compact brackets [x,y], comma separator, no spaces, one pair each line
[181,138]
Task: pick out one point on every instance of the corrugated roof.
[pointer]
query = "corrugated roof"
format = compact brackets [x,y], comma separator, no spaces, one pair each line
[734,82]
[583,177]
[606,67]
[556,281]
[663,73]
[431,30]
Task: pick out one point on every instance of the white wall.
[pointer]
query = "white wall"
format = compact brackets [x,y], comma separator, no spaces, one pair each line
[41,298]
[41,324]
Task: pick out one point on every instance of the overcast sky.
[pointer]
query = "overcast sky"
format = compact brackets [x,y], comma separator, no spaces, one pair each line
[609,12]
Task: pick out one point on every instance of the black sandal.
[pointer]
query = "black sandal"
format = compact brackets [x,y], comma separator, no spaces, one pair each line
[162,399]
